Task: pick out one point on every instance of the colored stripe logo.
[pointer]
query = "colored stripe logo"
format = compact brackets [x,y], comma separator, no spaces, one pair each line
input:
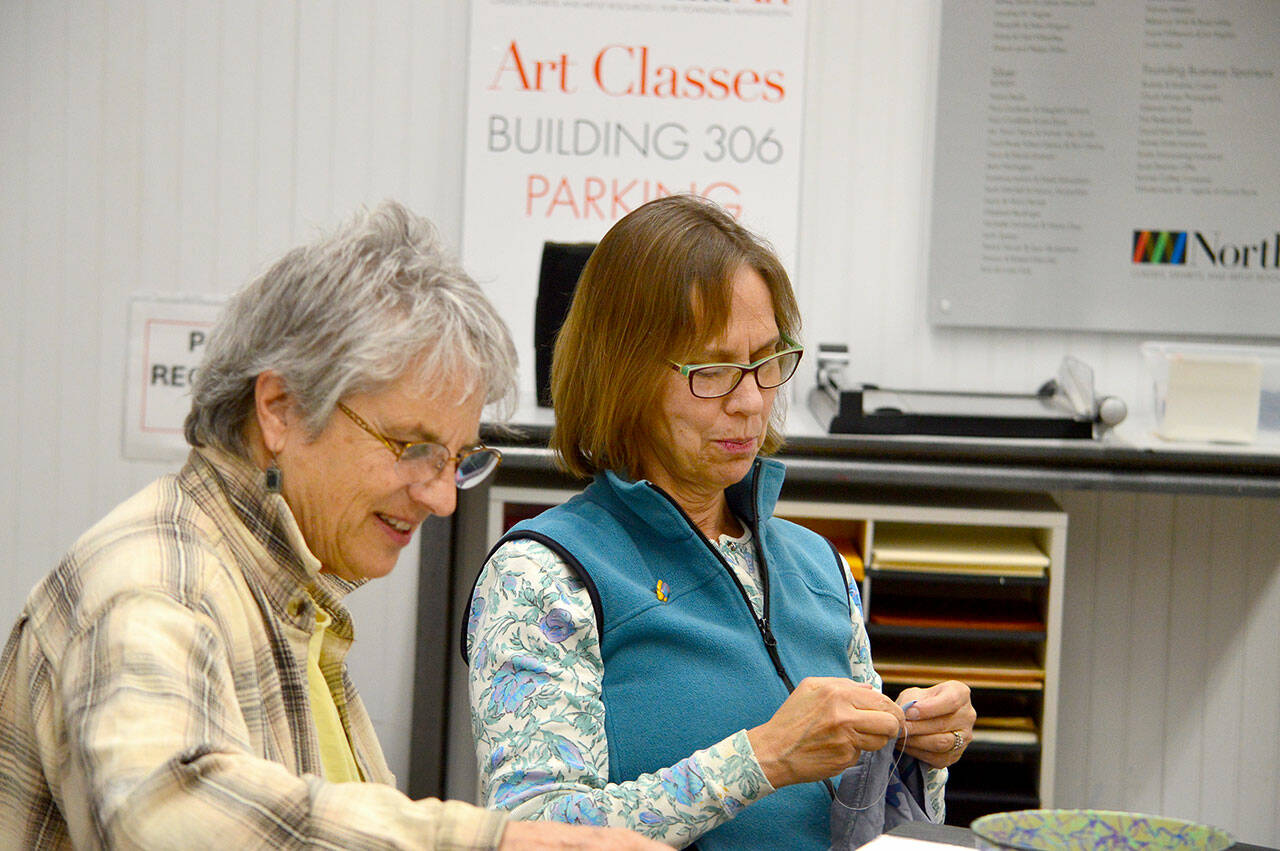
[1160,246]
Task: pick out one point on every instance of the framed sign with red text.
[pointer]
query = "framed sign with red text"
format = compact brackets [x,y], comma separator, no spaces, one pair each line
[579,111]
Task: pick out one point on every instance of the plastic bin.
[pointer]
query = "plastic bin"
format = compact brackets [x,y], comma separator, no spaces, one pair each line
[1215,392]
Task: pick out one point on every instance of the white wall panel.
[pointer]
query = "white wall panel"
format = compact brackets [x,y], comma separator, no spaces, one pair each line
[162,119]
[1227,613]
[199,169]
[273,129]
[352,59]
[15,92]
[315,164]
[438,109]
[1075,690]
[117,213]
[1109,699]
[1147,562]
[1259,698]
[77,387]
[237,87]
[1188,656]
[1171,680]
[151,145]
[41,478]
[387,130]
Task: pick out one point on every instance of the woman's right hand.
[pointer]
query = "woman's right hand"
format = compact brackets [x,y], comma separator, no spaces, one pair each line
[822,728]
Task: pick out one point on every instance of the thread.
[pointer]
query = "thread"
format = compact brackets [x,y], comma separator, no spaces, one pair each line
[893,769]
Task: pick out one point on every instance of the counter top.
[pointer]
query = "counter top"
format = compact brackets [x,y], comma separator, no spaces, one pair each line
[1127,459]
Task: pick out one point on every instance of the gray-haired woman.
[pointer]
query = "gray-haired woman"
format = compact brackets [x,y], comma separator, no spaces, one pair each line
[178,680]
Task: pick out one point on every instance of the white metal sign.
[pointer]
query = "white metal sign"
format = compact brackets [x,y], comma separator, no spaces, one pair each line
[1108,166]
[167,335]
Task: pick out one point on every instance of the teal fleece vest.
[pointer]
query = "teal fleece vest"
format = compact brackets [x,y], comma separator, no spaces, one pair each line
[683,673]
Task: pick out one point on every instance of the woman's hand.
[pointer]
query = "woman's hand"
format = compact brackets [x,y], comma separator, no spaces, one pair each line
[940,724]
[822,728]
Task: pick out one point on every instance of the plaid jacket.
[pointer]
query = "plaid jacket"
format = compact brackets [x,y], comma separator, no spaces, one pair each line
[153,692]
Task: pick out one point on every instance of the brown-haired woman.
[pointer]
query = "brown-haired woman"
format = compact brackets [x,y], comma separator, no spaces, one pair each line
[661,652]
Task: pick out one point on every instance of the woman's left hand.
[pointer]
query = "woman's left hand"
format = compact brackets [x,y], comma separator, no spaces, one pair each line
[940,723]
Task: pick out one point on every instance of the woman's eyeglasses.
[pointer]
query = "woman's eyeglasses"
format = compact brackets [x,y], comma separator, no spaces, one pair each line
[713,380]
[423,462]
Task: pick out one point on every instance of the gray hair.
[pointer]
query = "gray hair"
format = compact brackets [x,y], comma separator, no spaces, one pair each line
[350,313]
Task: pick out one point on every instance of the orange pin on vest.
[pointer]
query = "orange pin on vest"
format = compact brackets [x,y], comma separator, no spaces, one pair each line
[662,591]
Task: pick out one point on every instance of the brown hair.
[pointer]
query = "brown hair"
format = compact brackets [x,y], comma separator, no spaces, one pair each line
[658,284]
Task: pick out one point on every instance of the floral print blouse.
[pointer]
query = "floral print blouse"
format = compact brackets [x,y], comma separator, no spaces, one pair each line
[538,717]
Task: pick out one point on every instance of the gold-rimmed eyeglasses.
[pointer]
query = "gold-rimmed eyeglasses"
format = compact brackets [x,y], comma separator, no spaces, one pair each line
[424,461]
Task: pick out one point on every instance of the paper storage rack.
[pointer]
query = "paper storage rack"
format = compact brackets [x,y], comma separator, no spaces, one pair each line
[965,587]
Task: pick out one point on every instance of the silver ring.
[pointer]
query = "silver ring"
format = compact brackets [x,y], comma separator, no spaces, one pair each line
[959,744]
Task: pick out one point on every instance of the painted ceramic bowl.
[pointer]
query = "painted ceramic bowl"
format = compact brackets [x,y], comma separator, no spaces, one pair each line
[1086,830]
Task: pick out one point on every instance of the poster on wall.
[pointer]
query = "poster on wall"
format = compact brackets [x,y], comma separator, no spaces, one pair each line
[167,336]
[1108,166]
[579,111]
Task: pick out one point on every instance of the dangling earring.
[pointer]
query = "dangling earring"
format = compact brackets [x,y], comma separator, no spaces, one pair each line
[274,478]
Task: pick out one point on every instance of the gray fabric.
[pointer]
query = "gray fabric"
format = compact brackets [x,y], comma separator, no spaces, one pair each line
[872,798]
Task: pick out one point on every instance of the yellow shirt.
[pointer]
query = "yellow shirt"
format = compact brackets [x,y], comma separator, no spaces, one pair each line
[335,748]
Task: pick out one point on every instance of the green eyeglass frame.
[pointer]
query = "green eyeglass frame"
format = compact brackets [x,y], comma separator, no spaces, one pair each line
[713,380]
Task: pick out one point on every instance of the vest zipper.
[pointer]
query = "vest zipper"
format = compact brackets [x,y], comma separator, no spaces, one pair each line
[770,643]
[762,621]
